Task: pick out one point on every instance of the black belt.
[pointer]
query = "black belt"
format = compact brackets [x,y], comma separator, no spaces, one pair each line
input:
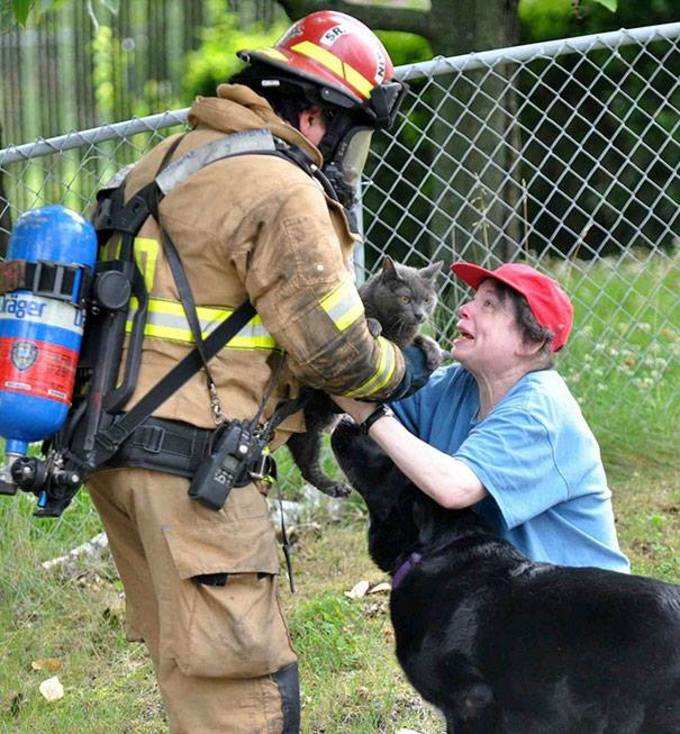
[163,445]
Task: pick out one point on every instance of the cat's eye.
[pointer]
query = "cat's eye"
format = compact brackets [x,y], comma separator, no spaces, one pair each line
[405,299]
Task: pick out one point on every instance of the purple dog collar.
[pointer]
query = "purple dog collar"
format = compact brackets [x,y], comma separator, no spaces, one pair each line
[400,574]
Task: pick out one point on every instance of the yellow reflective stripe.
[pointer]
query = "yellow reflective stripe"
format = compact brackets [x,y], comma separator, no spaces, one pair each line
[357,80]
[336,65]
[111,251]
[146,256]
[175,308]
[147,265]
[273,53]
[343,304]
[382,375]
[166,320]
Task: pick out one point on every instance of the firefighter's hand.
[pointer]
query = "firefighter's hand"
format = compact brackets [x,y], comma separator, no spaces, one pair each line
[419,367]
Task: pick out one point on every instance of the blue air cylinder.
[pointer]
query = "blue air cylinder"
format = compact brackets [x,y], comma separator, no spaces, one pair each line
[40,334]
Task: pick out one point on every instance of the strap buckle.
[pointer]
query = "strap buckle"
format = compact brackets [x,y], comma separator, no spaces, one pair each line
[152,439]
[111,439]
[264,468]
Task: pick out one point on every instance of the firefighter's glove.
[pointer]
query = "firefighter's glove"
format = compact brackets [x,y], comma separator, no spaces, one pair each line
[416,374]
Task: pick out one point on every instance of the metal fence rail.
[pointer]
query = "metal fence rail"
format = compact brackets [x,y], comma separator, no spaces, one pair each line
[564,154]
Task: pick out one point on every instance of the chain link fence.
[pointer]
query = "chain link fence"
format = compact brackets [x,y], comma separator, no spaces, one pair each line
[563,155]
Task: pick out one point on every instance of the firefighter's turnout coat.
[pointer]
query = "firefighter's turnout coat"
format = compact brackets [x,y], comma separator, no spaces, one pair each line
[255,227]
[200,585]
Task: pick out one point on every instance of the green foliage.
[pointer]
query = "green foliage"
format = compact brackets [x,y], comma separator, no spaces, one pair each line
[24,11]
[103,71]
[21,10]
[215,61]
[405,48]
[545,19]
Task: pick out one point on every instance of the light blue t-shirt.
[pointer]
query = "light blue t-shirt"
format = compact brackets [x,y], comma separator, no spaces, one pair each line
[535,455]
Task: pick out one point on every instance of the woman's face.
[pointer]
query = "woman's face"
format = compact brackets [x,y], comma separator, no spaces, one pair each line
[490,340]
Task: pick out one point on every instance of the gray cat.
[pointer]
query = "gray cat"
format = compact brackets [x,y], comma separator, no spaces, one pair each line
[397,301]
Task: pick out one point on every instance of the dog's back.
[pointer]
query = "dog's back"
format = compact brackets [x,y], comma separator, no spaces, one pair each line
[502,644]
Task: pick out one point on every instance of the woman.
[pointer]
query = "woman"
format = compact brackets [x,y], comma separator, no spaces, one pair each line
[500,430]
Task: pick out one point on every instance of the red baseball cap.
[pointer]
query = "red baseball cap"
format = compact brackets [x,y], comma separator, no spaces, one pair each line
[548,302]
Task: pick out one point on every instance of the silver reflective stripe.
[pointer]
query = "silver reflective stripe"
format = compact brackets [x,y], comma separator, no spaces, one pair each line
[166,320]
[343,304]
[245,142]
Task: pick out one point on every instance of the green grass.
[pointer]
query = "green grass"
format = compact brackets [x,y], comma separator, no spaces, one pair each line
[622,360]
[350,679]
[627,325]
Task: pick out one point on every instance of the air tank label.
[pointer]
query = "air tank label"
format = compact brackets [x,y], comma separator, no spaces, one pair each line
[37,368]
[38,310]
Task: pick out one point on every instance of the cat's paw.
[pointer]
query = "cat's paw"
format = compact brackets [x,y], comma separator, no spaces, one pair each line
[339,490]
[433,352]
[374,327]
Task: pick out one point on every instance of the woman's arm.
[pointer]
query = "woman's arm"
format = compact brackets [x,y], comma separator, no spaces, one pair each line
[448,481]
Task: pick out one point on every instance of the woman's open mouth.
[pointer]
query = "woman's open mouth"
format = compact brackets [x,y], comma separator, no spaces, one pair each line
[463,335]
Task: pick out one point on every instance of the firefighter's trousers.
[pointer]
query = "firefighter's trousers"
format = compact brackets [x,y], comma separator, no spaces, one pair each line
[200,590]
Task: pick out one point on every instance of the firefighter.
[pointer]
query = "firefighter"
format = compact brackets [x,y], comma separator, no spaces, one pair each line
[200,584]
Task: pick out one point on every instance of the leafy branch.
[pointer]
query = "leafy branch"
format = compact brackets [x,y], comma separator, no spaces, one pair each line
[21,12]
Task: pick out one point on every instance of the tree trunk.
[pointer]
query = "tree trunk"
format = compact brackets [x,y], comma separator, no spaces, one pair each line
[474,134]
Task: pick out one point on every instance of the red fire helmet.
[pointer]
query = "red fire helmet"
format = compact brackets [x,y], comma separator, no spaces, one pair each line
[343,57]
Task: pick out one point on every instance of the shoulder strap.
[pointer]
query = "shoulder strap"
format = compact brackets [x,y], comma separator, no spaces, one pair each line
[244,143]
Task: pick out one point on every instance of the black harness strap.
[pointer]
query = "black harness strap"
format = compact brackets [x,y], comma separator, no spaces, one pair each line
[144,203]
[109,440]
[186,297]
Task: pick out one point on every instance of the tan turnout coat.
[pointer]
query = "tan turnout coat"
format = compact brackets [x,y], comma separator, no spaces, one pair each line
[255,227]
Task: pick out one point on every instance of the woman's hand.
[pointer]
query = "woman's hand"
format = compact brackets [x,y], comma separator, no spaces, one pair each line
[447,480]
[356,408]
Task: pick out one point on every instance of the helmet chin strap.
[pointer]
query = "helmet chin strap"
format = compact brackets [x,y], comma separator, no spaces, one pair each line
[336,129]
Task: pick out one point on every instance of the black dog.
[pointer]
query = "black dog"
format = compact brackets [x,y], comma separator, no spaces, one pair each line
[502,644]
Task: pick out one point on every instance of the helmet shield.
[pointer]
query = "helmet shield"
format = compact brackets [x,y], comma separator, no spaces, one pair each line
[353,153]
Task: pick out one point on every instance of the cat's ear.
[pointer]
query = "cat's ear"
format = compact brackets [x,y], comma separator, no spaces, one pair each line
[389,269]
[431,271]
